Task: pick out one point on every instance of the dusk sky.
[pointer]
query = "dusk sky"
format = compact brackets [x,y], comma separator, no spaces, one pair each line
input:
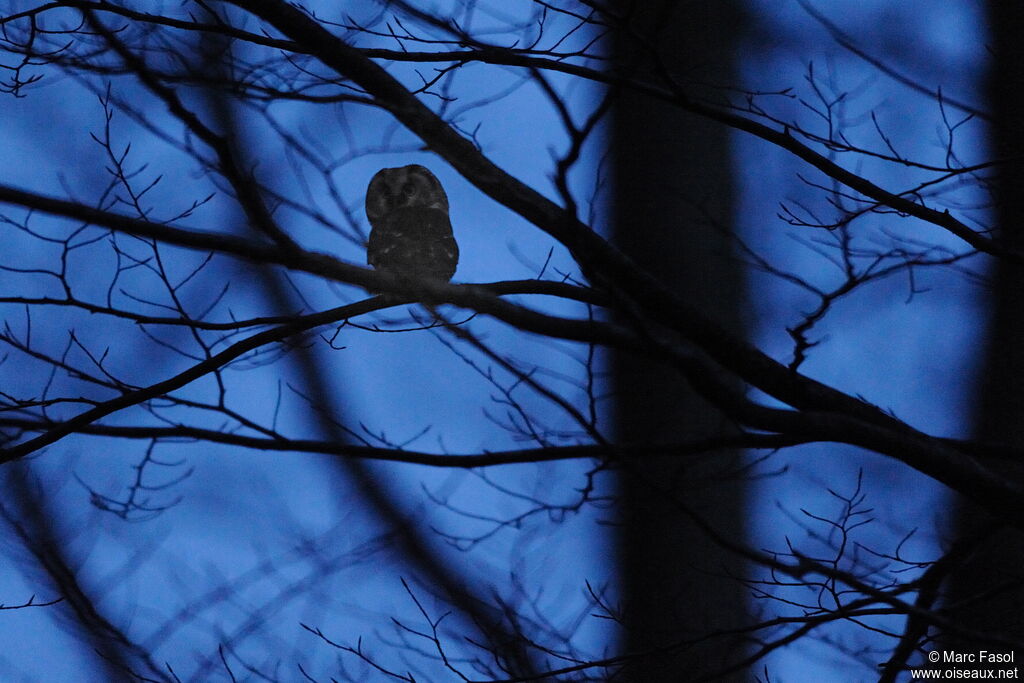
[244,547]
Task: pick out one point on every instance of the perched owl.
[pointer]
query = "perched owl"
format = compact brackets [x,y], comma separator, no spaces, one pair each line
[410,230]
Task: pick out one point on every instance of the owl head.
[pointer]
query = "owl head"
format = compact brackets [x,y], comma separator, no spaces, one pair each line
[407,186]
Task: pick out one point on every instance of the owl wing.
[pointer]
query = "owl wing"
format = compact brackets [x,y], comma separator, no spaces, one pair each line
[416,241]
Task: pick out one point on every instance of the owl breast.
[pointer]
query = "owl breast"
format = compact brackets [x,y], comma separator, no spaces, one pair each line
[414,241]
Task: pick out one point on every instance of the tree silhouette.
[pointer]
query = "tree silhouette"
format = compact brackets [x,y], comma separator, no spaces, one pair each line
[336,472]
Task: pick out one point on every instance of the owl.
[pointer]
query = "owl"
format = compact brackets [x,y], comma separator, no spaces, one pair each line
[410,234]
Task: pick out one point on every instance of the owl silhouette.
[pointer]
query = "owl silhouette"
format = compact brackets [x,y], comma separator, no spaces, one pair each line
[411,234]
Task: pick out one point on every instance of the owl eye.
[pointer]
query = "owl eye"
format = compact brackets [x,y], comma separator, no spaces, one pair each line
[408,189]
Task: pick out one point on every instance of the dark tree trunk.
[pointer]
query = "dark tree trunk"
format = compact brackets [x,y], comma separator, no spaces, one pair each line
[986,593]
[673,208]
